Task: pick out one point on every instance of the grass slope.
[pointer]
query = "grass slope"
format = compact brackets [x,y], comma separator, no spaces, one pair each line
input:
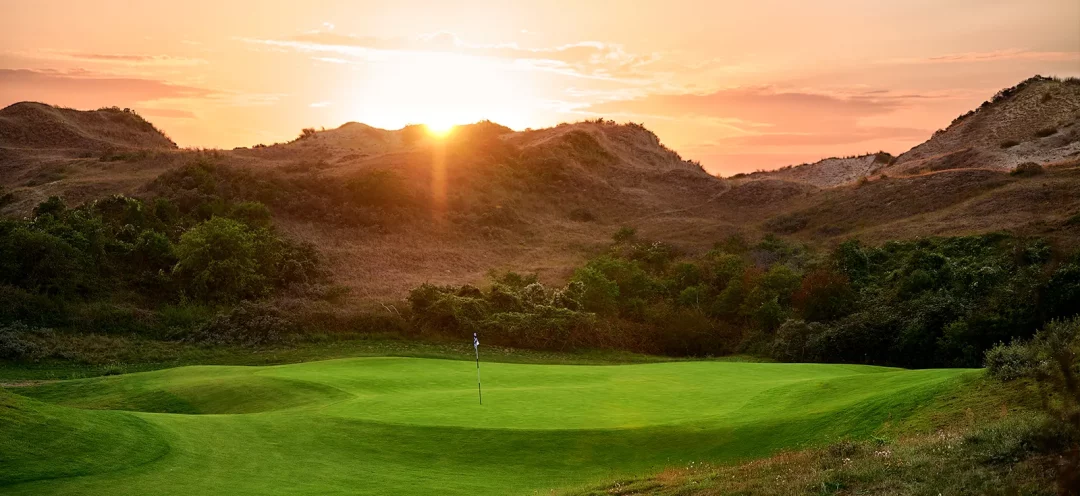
[407,425]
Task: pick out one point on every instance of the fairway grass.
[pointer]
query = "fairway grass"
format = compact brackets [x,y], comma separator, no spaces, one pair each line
[414,426]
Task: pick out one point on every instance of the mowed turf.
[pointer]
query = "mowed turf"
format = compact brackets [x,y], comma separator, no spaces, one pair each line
[413,426]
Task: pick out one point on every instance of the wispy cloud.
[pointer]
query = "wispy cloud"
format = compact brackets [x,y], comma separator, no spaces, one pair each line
[593,59]
[133,59]
[87,89]
[49,85]
[794,109]
[991,56]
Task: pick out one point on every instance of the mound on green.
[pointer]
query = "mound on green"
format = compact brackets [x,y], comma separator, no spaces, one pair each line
[45,442]
[413,426]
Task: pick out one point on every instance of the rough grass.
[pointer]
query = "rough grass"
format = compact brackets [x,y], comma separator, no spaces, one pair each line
[402,425]
[971,439]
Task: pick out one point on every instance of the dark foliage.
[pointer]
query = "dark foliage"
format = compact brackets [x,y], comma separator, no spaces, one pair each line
[102,262]
[924,303]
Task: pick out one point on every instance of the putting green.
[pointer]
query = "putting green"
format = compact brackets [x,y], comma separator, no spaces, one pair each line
[413,426]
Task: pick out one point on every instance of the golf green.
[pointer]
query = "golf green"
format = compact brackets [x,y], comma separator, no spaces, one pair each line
[414,426]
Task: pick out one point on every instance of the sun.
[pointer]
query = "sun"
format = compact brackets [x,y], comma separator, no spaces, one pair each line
[439,128]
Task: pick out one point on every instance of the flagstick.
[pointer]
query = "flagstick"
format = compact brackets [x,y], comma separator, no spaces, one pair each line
[478,391]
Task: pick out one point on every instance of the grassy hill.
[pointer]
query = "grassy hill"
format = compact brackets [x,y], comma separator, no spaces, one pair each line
[381,425]
[1034,121]
[392,209]
[827,173]
[37,125]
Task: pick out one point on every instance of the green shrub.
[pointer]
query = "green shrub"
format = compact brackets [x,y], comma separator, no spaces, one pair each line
[515,280]
[219,261]
[247,324]
[18,304]
[824,295]
[791,339]
[544,327]
[252,213]
[504,298]
[15,343]
[42,262]
[1010,362]
[693,296]
[624,234]
[104,317]
[441,309]
[598,293]
[53,206]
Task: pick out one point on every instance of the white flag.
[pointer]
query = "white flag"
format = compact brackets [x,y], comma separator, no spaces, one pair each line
[475,341]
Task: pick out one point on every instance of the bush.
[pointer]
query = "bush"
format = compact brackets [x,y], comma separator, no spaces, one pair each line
[53,206]
[598,293]
[790,343]
[15,343]
[248,324]
[544,327]
[1027,169]
[252,213]
[227,261]
[43,262]
[824,295]
[624,234]
[219,261]
[1010,362]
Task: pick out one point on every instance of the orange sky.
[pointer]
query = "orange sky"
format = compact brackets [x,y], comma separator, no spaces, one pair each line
[737,85]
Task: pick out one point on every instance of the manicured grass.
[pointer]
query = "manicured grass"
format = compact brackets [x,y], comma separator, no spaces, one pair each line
[413,426]
[123,356]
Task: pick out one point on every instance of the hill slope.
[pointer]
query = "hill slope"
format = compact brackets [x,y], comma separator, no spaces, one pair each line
[827,173]
[392,209]
[1034,121]
[37,125]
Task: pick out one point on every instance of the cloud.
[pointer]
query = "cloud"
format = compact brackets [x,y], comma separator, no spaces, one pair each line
[991,56]
[744,128]
[584,59]
[795,111]
[852,136]
[111,58]
[319,104]
[84,89]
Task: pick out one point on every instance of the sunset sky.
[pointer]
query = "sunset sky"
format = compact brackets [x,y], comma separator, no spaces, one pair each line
[737,85]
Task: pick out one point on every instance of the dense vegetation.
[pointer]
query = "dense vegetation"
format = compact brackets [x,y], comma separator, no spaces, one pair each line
[1050,362]
[122,265]
[922,303]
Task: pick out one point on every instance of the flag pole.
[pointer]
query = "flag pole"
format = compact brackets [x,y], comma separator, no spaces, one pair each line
[476,346]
